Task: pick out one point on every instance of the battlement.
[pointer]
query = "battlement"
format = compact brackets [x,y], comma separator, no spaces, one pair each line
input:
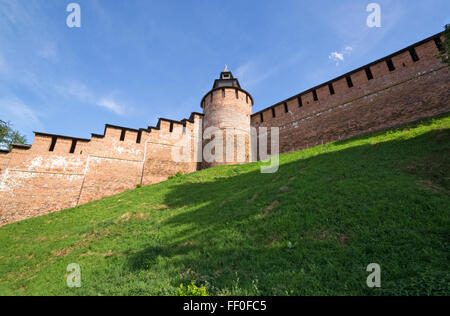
[226,92]
[406,86]
[365,80]
[58,171]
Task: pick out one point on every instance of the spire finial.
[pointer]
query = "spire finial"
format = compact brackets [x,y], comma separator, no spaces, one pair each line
[226,68]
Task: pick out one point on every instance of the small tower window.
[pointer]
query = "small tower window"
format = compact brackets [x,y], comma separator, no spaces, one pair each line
[349,81]
[262,117]
[369,73]
[390,65]
[286,109]
[273,113]
[171,127]
[413,53]
[331,88]
[237,94]
[223,93]
[122,135]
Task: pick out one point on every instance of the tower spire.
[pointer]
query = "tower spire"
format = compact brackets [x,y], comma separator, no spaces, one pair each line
[226,68]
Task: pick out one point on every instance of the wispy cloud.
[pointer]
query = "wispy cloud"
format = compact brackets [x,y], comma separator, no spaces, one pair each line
[111,105]
[21,115]
[81,92]
[255,72]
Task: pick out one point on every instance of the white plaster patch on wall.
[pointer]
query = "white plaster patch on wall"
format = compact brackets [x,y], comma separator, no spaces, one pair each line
[121,149]
[9,181]
[57,162]
[36,163]
[3,182]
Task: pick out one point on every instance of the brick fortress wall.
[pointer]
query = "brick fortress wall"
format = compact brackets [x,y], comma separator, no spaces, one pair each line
[59,172]
[404,87]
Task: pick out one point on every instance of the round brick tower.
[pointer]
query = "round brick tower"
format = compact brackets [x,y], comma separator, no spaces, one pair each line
[227,109]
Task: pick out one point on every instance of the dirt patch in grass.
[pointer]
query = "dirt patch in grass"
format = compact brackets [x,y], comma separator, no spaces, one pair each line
[269,209]
[274,238]
[127,216]
[326,235]
[141,216]
[434,170]
[284,188]
[433,186]
[87,238]
[61,252]
[90,253]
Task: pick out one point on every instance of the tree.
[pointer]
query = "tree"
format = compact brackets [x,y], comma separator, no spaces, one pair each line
[9,136]
[445,51]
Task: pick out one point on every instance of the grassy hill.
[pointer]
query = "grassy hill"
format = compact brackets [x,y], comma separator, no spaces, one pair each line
[312,228]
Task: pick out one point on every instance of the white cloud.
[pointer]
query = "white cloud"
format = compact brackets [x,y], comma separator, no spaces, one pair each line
[335,56]
[338,57]
[111,105]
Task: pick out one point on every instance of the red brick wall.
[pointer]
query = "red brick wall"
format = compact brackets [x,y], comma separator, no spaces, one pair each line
[37,181]
[413,91]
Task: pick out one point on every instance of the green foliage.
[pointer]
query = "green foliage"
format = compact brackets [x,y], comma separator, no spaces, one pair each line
[191,290]
[9,136]
[312,228]
[445,54]
[177,175]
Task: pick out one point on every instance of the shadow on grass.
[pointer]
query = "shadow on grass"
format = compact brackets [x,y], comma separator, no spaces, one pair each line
[314,226]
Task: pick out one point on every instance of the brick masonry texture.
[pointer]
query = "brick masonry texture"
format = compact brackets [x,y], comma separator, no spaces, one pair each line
[59,172]
[229,110]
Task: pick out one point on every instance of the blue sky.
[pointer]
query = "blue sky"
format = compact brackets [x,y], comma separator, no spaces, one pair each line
[134,61]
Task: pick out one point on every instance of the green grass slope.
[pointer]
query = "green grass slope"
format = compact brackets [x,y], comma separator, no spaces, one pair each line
[312,228]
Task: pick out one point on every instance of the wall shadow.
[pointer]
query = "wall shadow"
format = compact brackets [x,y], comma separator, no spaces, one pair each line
[312,227]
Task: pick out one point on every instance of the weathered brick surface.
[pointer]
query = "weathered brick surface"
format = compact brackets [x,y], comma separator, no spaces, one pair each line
[229,110]
[37,181]
[41,179]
